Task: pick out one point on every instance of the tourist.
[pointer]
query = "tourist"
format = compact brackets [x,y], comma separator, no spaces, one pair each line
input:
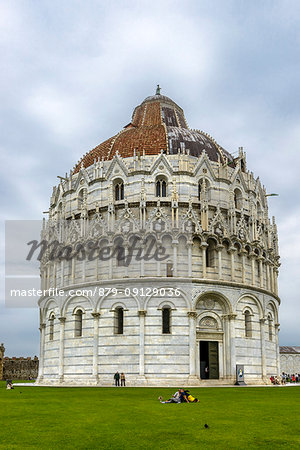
[192,399]
[122,379]
[183,395]
[293,378]
[9,384]
[117,378]
[174,399]
[171,400]
[206,371]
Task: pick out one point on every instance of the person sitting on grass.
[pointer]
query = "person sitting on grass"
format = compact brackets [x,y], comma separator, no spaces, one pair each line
[188,397]
[181,396]
[9,384]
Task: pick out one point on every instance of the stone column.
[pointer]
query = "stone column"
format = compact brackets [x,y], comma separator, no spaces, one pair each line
[276,281]
[221,359]
[261,274]
[189,247]
[175,245]
[48,276]
[226,346]
[219,250]
[83,269]
[73,271]
[142,314]
[125,256]
[158,264]
[62,321]
[62,273]
[54,274]
[231,251]
[268,276]
[231,318]
[95,345]
[142,261]
[277,348]
[97,268]
[110,262]
[204,246]
[243,254]
[263,348]
[252,256]
[42,350]
[271,278]
[192,341]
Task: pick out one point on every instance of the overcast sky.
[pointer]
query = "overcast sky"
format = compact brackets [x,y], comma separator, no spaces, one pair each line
[73,71]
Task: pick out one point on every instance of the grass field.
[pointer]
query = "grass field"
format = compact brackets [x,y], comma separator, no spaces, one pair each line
[121,418]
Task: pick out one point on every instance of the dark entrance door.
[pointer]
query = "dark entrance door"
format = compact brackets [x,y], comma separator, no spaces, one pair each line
[209,357]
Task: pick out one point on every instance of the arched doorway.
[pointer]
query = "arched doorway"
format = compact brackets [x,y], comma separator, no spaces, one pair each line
[209,335]
[209,360]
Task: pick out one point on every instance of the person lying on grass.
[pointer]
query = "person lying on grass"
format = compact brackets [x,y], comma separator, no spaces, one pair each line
[174,399]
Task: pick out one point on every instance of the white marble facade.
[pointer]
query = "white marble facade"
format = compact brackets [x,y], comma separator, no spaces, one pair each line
[219,281]
[290,360]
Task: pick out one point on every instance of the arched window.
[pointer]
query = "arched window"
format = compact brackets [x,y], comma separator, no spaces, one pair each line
[248,324]
[259,211]
[78,323]
[161,187]
[120,255]
[119,190]
[59,211]
[203,189]
[51,327]
[80,198]
[210,253]
[243,165]
[238,199]
[258,269]
[166,320]
[256,251]
[119,320]
[270,328]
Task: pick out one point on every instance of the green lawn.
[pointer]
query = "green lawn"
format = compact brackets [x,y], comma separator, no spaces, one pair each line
[117,418]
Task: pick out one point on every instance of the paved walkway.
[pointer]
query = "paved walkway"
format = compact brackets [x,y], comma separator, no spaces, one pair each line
[164,387]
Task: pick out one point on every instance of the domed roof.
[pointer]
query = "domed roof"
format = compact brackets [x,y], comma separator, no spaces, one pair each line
[158,125]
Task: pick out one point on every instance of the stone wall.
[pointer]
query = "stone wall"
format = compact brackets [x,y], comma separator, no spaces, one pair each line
[2,350]
[20,368]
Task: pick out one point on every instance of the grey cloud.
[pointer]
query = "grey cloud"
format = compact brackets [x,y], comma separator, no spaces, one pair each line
[71,76]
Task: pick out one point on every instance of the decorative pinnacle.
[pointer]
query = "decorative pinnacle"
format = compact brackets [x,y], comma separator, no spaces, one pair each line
[158,88]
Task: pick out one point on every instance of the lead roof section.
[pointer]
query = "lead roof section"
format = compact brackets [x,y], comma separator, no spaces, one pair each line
[158,125]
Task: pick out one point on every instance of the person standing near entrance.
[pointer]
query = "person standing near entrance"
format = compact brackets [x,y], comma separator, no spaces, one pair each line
[122,379]
[117,378]
[206,371]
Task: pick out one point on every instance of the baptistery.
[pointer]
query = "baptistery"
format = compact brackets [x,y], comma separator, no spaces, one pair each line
[160,262]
